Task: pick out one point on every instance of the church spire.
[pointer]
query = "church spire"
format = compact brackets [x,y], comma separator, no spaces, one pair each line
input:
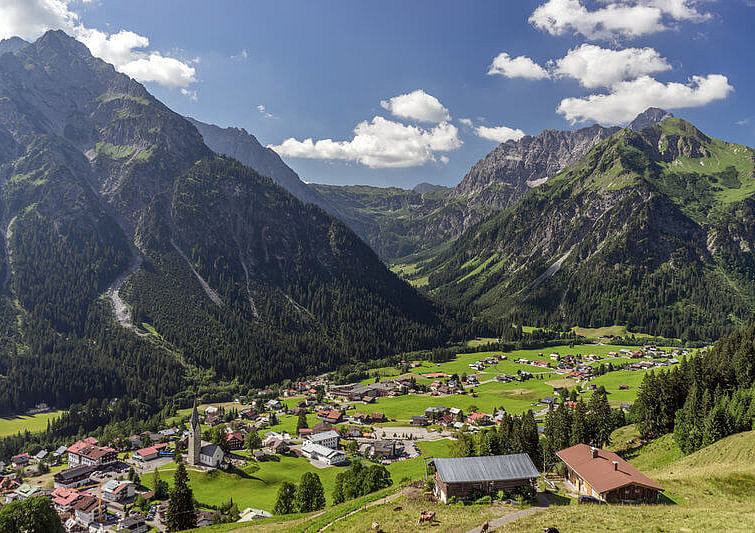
[194,421]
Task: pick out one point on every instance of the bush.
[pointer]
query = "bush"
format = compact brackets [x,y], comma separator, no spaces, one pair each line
[485,500]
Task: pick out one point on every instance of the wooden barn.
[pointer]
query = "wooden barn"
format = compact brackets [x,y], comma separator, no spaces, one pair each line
[606,476]
[463,477]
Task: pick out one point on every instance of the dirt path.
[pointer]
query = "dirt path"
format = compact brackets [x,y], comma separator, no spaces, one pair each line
[543,501]
[381,501]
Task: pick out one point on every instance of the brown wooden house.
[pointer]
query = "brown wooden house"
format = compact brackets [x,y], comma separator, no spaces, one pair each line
[606,476]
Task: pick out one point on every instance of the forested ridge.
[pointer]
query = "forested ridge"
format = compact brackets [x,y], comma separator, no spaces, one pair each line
[652,230]
[109,173]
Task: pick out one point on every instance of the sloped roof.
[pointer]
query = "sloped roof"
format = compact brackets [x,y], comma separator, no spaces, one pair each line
[599,471]
[488,468]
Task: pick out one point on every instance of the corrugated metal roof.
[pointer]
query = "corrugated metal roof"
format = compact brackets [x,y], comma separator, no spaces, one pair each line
[488,468]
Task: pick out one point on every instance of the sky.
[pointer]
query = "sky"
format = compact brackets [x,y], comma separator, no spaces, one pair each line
[394,93]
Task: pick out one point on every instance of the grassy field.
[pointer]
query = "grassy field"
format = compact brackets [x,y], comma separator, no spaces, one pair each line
[258,487]
[715,487]
[19,424]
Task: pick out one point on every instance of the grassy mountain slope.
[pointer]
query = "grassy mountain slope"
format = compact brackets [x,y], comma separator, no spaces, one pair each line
[714,489]
[651,229]
[237,276]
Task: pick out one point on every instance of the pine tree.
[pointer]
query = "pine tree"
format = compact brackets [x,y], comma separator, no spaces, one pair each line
[302,422]
[181,513]
[285,504]
[310,496]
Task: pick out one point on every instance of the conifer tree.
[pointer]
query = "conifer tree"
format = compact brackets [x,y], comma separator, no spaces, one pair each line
[285,504]
[310,495]
[181,513]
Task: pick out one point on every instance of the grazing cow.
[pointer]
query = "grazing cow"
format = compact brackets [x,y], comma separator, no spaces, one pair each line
[485,527]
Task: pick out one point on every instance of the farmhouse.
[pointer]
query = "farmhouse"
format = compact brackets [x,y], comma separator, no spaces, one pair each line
[462,477]
[329,439]
[607,476]
[322,453]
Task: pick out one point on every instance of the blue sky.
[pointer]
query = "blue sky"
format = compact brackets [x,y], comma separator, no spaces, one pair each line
[319,69]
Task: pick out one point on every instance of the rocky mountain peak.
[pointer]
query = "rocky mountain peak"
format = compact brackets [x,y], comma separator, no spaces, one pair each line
[12,44]
[649,117]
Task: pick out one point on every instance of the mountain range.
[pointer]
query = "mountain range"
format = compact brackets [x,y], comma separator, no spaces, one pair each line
[138,261]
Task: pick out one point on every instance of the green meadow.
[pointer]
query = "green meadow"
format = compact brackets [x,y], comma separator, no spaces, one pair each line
[19,424]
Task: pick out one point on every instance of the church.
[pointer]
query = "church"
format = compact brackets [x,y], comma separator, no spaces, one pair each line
[202,453]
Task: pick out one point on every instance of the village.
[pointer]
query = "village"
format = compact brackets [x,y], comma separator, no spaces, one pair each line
[98,486]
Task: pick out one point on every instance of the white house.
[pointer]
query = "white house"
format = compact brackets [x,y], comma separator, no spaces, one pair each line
[329,439]
[118,491]
[211,455]
[321,453]
[87,509]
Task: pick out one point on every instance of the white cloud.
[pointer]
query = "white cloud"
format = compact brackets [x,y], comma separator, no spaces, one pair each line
[417,105]
[518,67]
[629,98]
[617,18]
[241,55]
[594,66]
[466,122]
[499,134]
[125,49]
[380,143]
[261,108]
[191,95]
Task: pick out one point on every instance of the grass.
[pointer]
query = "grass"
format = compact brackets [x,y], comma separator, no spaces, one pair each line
[714,488]
[257,485]
[19,424]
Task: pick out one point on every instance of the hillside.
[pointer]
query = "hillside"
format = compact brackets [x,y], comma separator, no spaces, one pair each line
[714,490]
[111,199]
[652,230]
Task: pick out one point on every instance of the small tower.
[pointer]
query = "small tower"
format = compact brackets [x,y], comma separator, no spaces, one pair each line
[195,436]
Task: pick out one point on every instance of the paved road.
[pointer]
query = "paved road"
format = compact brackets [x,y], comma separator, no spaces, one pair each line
[543,501]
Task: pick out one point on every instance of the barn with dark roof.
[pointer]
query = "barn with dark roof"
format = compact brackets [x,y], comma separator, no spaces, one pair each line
[464,477]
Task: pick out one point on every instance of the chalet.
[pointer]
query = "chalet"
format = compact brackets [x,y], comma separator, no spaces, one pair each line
[463,477]
[133,524]
[249,514]
[322,453]
[328,439]
[550,401]
[118,491]
[26,491]
[73,477]
[378,417]
[383,449]
[361,418]
[606,476]
[59,452]
[136,441]
[87,452]
[354,433]
[212,420]
[480,419]
[169,433]
[234,441]
[41,455]
[64,498]
[278,446]
[87,509]
[8,484]
[330,416]
[21,459]
[420,421]
[320,427]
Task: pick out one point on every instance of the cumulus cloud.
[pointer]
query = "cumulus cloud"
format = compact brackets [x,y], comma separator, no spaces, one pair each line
[629,98]
[380,143]
[517,67]
[594,66]
[417,105]
[465,122]
[125,49]
[615,18]
[499,134]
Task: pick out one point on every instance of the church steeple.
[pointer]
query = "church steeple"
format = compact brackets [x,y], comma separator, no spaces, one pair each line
[195,436]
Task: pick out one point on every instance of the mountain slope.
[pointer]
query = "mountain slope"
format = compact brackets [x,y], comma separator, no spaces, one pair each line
[653,230]
[429,219]
[231,273]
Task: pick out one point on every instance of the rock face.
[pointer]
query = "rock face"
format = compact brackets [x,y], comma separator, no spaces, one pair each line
[244,147]
[102,183]
[649,117]
[514,167]
[650,229]
[11,45]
